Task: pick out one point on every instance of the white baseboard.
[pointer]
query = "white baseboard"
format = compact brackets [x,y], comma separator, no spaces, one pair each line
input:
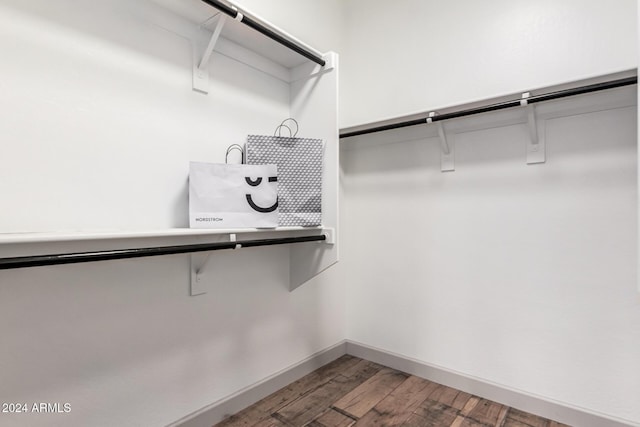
[217,411]
[544,407]
[538,405]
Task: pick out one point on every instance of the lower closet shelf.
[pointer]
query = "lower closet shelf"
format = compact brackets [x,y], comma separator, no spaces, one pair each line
[108,255]
[103,234]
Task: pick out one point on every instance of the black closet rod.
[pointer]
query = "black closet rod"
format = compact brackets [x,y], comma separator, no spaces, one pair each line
[248,21]
[500,106]
[72,258]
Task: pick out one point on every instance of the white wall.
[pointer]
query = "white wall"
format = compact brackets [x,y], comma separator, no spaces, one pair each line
[98,124]
[416,55]
[522,276]
[320,24]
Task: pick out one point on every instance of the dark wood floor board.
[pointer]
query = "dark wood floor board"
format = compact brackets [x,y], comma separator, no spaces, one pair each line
[362,366]
[337,367]
[449,396]
[433,413]
[469,422]
[272,403]
[270,422]
[398,406]
[466,409]
[416,420]
[488,413]
[364,397]
[502,416]
[308,407]
[332,418]
[355,392]
[365,371]
[516,417]
[469,406]
[514,423]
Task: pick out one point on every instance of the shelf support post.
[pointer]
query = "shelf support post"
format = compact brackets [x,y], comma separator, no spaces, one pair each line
[536,149]
[199,261]
[447,158]
[201,59]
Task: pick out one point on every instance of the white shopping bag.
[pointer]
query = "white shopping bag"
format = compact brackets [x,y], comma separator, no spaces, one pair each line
[232,196]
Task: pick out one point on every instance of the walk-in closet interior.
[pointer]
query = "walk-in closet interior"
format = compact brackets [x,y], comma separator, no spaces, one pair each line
[479,205]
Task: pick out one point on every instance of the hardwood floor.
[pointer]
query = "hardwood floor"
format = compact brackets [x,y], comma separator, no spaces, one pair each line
[355,392]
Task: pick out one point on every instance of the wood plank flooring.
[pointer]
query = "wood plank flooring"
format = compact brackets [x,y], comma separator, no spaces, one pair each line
[355,392]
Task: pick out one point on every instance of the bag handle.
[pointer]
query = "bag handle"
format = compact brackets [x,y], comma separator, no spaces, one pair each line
[282,125]
[230,149]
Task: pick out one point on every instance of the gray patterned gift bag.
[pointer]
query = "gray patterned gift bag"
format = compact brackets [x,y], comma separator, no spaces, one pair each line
[299,162]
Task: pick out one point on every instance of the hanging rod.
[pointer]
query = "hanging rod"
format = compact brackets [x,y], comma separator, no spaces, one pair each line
[500,106]
[72,258]
[261,28]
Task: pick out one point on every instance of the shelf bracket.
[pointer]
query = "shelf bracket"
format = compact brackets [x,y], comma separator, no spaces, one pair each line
[201,57]
[199,261]
[536,149]
[447,158]
[331,235]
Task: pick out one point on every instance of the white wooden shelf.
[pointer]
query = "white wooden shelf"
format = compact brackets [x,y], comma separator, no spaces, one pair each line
[197,22]
[86,235]
[612,91]
[203,16]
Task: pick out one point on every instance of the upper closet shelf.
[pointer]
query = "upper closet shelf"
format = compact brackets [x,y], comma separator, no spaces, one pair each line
[525,99]
[230,30]
[524,108]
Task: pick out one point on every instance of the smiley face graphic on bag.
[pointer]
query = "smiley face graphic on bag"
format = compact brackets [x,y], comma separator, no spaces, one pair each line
[255,183]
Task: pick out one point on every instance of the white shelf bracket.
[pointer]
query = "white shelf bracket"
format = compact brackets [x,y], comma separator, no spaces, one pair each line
[199,261]
[201,57]
[233,238]
[447,158]
[331,236]
[536,149]
[330,59]
[306,71]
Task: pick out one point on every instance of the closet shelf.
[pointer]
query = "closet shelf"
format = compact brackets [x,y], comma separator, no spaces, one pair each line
[97,235]
[528,108]
[117,254]
[268,30]
[244,29]
[525,99]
